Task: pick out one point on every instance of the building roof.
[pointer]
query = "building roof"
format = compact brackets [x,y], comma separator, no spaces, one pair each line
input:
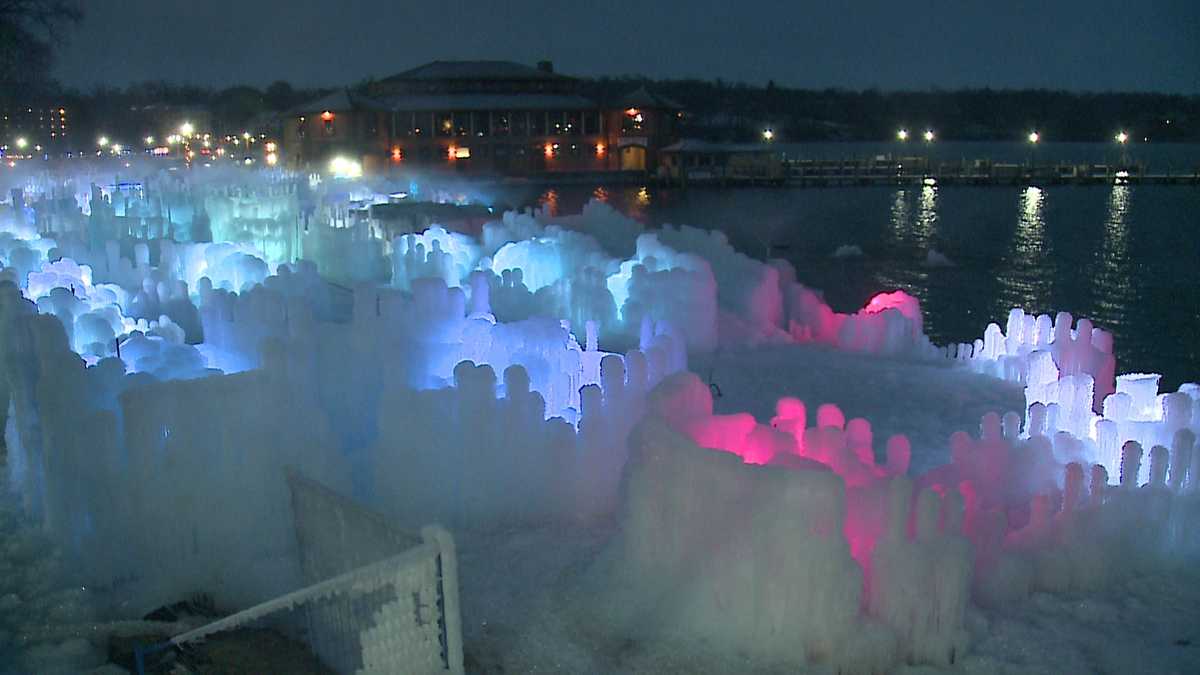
[708,147]
[475,70]
[342,100]
[644,98]
[451,102]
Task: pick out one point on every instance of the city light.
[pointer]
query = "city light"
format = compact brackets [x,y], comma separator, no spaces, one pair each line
[102,141]
[902,135]
[149,140]
[1034,137]
[548,150]
[187,129]
[272,159]
[325,116]
[271,147]
[21,143]
[397,153]
[342,167]
[116,148]
[1122,138]
[600,148]
[929,135]
[768,134]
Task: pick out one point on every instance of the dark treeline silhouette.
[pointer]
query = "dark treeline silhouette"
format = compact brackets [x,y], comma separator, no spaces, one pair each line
[719,110]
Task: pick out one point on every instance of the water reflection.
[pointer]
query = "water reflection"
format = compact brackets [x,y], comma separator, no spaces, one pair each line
[1025,285]
[900,215]
[1113,278]
[548,200]
[643,197]
[600,194]
[926,214]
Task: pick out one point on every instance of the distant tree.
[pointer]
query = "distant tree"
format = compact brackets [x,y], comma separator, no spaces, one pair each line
[28,31]
[235,106]
[280,95]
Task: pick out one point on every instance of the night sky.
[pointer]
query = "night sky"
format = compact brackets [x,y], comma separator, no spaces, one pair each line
[1098,45]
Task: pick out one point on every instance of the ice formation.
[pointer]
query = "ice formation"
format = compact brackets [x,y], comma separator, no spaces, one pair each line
[168,354]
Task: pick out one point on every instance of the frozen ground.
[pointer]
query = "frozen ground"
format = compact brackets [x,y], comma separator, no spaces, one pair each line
[520,616]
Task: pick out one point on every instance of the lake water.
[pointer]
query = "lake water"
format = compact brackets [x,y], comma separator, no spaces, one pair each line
[1128,257]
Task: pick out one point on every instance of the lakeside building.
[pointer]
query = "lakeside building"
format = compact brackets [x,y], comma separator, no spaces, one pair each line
[493,117]
[39,128]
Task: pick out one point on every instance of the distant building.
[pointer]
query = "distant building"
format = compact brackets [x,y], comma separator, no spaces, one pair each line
[696,161]
[44,126]
[482,117]
[342,124]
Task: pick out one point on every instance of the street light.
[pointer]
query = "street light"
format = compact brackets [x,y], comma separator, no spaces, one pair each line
[149,140]
[187,129]
[102,141]
[768,135]
[929,135]
[22,143]
[1034,137]
[902,135]
[1122,138]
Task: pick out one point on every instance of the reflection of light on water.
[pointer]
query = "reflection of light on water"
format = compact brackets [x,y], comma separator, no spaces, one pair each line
[600,194]
[927,212]
[1114,277]
[549,201]
[1027,289]
[643,197]
[1032,201]
[899,215]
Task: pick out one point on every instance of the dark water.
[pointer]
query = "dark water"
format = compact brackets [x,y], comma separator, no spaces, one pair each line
[1128,257]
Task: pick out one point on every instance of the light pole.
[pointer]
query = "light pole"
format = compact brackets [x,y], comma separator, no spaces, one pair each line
[1034,138]
[928,136]
[1122,139]
[186,130]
